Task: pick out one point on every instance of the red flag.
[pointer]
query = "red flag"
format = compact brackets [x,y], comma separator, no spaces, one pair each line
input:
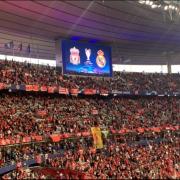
[113,131]
[85,133]
[89,91]
[29,87]
[37,138]
[155,129]
[17,140]
[43,88]
[171,128]
[66,135]
[176,127]
[35,88]
[74,91]
[51,89]
[7,141]
[140,130]
[55,137]
[121,131]
[63,90]
[2,85]
[3,142]
[104,92]
[26,139]
[12,141]
[78,134]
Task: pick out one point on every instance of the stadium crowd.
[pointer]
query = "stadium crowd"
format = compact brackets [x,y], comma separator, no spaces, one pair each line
[26,114]
[116,161]
[25,73]
[123,162]
[21,115]
[21,152]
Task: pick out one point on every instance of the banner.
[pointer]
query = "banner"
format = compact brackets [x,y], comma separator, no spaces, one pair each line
[97,137]
[35,88]
[2,86]
[74,91]
[43,88]
[37,138]
[96,132]
[26,139]
[155,129]
[63,90]
[55,137]
[140,130]
[29,87]
[104,92]
[51,89]
[66,135]
[86,91]
[89,91]
[17,140]
[78,134]
[85,134]
[2,142]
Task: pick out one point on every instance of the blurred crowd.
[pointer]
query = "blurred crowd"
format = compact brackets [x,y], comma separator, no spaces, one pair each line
[25,114]
[124,162]
[10,155]
[24,73]
[114,161]
[123,157]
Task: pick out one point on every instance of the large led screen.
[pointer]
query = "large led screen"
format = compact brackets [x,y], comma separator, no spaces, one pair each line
[86,58]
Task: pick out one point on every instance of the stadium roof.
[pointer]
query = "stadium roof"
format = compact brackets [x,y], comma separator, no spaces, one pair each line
[132,28]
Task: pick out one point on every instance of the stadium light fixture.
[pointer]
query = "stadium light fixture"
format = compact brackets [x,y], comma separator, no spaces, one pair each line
[142,1]
[151,3]
[163,4]
[172,8]
[147,2]
[165,8]
[153,6]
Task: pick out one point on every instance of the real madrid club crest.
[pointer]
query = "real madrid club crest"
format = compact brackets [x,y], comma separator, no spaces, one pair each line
[100,59]
[74,56]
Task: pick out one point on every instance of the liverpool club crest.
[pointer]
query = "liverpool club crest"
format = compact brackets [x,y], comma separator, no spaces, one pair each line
[74,56]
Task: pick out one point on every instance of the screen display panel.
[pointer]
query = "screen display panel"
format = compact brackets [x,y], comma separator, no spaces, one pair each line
[81,58]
